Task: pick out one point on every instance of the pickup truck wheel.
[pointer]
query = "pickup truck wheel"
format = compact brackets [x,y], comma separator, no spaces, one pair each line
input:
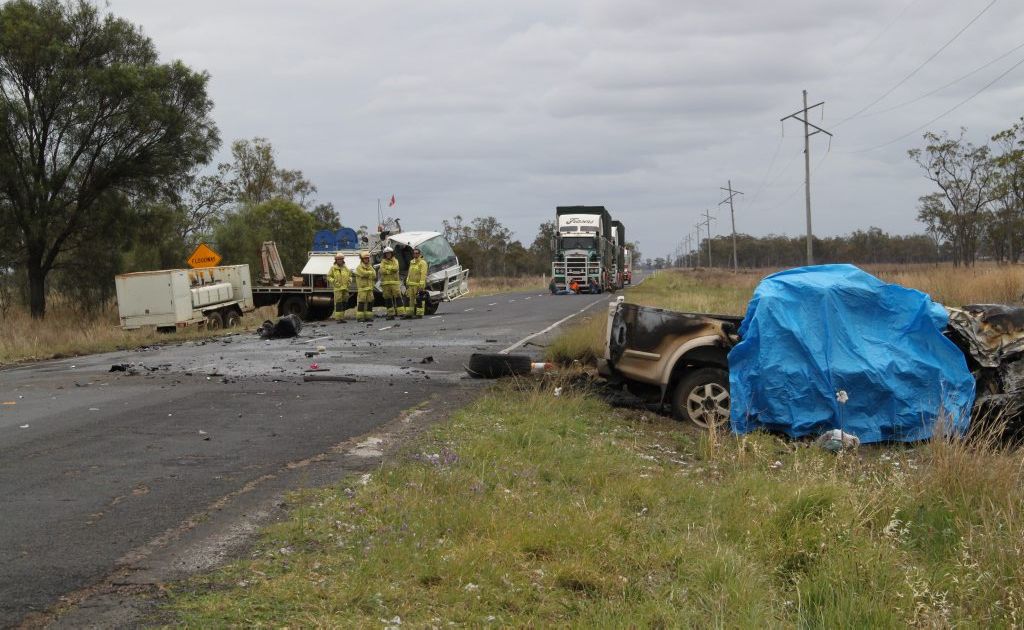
[214,321]
[431,307]
[702,397]
[294,305]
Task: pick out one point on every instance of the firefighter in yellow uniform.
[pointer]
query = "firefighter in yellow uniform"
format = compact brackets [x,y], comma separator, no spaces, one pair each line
[339,277]
[415,286]
[390,284]
[366,276]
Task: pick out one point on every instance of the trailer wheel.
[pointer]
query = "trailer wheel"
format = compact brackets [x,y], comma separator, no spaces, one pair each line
[233,319]
[294,305]
[214,321]
[702,397]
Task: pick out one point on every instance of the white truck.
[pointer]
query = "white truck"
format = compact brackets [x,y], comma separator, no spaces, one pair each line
[169,299]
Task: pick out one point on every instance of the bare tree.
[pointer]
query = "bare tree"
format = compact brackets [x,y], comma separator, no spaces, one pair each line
[965,176]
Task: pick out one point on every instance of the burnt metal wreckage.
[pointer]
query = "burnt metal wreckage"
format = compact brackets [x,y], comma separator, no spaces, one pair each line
[681,359]
[991,337]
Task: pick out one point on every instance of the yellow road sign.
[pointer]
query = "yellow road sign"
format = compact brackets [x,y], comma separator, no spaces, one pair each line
[203,257]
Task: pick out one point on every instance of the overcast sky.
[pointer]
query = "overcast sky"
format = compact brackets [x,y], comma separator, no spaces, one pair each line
[646,107]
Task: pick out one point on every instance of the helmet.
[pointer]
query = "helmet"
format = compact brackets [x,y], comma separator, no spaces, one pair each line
[389,250]
[339,256]
[364,254]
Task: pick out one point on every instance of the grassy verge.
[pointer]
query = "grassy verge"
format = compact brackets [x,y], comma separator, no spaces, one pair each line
[532,510]
[65,332]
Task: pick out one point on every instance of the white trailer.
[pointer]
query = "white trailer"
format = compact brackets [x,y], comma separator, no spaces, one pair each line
[177,298]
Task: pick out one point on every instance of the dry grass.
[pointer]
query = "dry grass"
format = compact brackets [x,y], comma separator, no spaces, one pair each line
[501,284]
[64,332]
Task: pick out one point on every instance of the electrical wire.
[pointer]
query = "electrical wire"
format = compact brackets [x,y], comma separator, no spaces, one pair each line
[950,84]
[918,68]
[886,28]
[943,114]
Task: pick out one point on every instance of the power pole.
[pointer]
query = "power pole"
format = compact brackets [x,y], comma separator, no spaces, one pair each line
[732,213]
[807,164]
[696,248]
[707,221]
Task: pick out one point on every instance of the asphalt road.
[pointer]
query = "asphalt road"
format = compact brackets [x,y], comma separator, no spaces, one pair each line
[112,473]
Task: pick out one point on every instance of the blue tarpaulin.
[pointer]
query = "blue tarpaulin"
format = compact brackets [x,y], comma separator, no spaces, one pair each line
[812,331]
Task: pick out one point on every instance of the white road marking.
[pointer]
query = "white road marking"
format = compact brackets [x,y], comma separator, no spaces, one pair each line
[493,304]
[527,298]
[553,326]
[386,328]
[436,317]
[510,301]
[467,310]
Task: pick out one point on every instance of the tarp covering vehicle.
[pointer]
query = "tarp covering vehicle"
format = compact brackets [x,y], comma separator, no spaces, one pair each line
[811,332]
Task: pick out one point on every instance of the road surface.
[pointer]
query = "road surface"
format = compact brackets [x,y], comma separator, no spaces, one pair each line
[125,479]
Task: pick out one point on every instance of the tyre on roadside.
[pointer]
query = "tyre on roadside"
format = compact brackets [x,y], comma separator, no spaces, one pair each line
[701,396]
[486,365]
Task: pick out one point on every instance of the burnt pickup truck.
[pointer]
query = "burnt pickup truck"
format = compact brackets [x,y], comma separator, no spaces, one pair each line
[678,358]
[666,356]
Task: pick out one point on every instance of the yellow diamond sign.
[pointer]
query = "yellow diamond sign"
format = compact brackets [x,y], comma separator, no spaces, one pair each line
[203,257]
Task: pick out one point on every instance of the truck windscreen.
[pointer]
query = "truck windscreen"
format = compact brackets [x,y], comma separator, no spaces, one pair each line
[577,242]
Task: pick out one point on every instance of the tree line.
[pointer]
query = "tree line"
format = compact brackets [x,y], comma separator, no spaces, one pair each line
[978,209]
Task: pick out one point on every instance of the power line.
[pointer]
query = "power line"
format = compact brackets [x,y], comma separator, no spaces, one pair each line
[943,114]
[950,84]
[918,68]
[886,28]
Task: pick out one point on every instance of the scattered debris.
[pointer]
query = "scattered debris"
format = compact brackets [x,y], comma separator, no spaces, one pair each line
[336,378]
[836,440]
[24,426]
[285,327]
[429,359]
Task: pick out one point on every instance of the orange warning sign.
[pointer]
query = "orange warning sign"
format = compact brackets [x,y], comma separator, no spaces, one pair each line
[203,257]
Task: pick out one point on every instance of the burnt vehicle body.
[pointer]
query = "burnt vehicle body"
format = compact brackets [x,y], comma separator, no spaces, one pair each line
[681,358]
[667,356]
[991,336]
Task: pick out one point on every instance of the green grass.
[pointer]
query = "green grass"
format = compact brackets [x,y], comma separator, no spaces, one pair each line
[528,509]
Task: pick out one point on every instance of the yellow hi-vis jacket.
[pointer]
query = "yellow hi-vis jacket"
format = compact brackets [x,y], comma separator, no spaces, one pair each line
[417,276]
[339,277]
[366,276]
[389,273]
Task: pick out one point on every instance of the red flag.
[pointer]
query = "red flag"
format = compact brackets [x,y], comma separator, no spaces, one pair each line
[391,202]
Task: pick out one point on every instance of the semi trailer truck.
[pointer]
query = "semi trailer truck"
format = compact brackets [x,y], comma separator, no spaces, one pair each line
[583,250]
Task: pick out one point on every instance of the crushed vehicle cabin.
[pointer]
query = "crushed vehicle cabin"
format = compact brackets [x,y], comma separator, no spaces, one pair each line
[682,360]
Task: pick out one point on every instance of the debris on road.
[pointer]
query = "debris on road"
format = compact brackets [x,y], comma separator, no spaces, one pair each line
[336,378]
[285,327]
[429,359]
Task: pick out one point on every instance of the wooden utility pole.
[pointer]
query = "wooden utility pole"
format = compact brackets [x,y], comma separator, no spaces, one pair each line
[696,248]
[707,221]
[732,212]
[807,164]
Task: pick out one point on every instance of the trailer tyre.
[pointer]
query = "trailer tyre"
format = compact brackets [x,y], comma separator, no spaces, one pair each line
[233,319]
[294,305]
[214,321]
[702,397]
[498,365]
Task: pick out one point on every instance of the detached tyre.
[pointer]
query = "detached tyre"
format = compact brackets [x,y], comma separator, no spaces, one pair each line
[294,305]
[702,397]
[498,365]
[430,307]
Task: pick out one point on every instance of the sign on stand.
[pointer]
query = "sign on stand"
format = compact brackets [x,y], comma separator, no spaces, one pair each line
[203,257]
